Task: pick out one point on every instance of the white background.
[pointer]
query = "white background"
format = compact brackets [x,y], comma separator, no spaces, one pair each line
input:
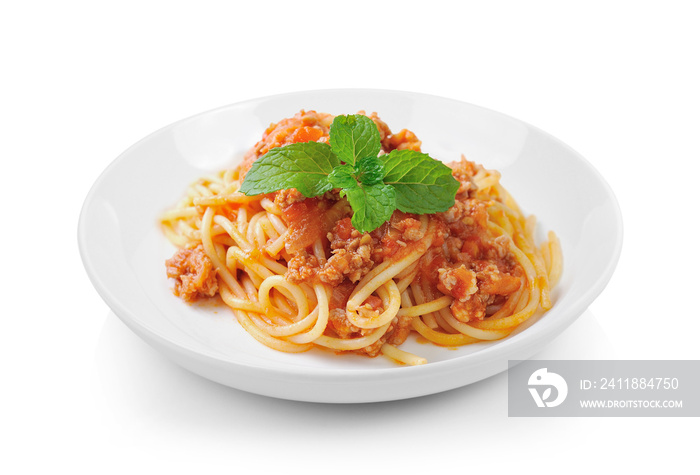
[82,81]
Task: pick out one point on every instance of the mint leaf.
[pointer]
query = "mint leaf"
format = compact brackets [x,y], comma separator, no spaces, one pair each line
[343,176]
[304,166]
[423,184]
[374,186]
[369,170]
[372,205]
[353,137]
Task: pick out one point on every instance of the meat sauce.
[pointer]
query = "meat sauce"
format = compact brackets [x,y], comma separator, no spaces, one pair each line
[305,224]
[463,261]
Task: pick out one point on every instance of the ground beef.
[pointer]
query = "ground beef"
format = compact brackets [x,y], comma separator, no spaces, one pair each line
[463,171]
[409,228]
[399,330]
[193,272]
[286,198]
[472,266]
[458,282]
[338,321]
[493,280]
[473,308]
[396,334]
[301,268]
[352,254]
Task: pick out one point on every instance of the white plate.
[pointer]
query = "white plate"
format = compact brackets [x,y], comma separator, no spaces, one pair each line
[124,251]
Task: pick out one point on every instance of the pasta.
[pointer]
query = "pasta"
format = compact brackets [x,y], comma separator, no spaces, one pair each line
[296,274]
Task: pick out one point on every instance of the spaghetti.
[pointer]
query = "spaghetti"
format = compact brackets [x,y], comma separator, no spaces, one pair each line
[296,274]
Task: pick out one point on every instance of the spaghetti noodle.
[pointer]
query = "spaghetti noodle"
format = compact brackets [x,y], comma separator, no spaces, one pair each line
[296,274]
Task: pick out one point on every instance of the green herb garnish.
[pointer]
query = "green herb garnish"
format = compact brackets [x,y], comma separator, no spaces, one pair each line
[375,186]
